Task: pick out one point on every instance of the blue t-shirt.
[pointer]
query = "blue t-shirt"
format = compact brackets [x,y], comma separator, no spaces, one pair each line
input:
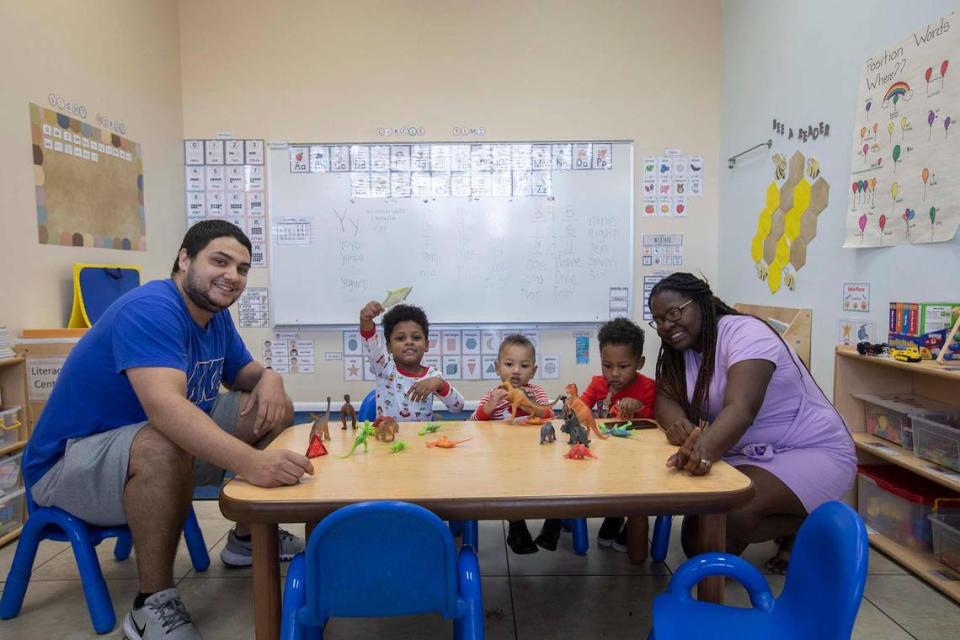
[147,327]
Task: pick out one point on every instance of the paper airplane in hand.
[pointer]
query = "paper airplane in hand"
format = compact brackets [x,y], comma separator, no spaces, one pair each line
[396,296]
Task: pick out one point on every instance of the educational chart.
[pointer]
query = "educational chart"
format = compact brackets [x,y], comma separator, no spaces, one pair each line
[905,174]
[788,221]
[542,233]
[668,181]
[225,181]
[89,184]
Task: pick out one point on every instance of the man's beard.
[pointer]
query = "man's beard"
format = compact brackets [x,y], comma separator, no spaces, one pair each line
[198,296]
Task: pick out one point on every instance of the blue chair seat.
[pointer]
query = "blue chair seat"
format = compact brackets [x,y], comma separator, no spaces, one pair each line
[374,559]
[820,598]
[52,523]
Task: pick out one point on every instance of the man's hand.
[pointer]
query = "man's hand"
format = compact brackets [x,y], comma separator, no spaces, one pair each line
[423,389]
[274,467]
[496,397]
[629,407]
[270,401]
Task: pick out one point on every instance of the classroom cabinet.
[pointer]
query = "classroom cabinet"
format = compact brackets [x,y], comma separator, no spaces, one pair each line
[14,432]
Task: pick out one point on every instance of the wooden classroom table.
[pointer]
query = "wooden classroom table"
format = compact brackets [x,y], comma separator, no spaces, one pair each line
[502,473]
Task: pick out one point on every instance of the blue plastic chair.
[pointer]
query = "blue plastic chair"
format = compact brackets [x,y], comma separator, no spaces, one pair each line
[368,408]
[374,559]
[820,599]
[53,523]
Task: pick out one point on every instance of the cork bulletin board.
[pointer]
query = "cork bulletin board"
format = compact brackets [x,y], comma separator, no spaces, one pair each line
[89,184]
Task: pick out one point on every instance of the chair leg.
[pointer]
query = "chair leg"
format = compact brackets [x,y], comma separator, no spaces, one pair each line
[456,528]
[581,537]
[471,534]
[469,626]
[195,542]
[294,596]
[94,587]
[123,546]
[18,579]
[661,538]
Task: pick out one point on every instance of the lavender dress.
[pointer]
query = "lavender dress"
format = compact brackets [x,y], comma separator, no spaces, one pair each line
[797,436]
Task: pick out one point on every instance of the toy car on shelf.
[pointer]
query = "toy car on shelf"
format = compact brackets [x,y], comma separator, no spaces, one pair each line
[907,354]
[869,349]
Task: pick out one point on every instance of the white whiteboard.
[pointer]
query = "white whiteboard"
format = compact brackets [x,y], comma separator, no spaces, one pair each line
[566,258]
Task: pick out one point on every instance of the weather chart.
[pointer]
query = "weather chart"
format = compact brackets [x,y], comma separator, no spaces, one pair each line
[905,185]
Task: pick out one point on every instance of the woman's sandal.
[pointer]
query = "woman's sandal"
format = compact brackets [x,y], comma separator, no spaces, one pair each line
[781,560]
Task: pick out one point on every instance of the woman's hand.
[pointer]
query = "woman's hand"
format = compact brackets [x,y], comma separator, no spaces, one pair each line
[691,457]
[678,431]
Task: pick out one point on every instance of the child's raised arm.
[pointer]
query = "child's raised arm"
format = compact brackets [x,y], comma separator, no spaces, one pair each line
[370,311]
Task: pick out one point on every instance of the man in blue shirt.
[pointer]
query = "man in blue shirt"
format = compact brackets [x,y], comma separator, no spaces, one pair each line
[139,399]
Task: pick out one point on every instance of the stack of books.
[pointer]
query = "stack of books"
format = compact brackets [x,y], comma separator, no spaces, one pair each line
[5,345]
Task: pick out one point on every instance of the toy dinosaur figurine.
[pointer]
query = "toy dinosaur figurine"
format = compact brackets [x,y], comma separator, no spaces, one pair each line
[520,400]
[575,404]
[430,428]
[386,428]
[615,430]
[572,426]
[398,446]
[366,431]
[579,452]
[321,424]
[444,442]
[347,410]
[548,433]
[316,448]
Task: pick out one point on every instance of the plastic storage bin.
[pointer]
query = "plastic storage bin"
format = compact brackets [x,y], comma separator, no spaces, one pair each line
[10,478]
[11,511]
[946,537]
[898,503]
[9,426]
[937,439]
[888,416]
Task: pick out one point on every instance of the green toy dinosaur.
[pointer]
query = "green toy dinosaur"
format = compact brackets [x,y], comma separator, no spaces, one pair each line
[365,432]
[398,446]
[430,428]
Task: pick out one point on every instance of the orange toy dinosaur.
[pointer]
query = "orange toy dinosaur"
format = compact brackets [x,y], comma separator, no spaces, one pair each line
[582,411]
[519,400]
[444,442]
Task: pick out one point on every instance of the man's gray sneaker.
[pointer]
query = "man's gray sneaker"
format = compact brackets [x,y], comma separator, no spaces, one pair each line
[239,553]
[162,617]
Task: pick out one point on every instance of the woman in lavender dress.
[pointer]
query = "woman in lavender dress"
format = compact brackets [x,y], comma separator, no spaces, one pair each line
[765,414]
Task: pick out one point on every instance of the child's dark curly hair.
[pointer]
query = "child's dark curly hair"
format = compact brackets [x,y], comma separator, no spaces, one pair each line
[403,312]
[622,331]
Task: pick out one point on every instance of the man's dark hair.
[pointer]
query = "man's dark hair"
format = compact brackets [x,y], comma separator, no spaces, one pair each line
[520,340]
[201,234]
[622,331]
[403,312]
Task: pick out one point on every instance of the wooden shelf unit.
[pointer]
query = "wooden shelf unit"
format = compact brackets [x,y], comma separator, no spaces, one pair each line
[854,373]
[13,389]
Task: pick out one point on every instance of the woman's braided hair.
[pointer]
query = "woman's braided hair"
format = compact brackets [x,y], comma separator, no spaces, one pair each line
[671,372]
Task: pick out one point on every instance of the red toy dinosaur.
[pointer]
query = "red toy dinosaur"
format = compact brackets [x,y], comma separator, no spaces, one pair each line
[582,411]
[444,442]
[579,452]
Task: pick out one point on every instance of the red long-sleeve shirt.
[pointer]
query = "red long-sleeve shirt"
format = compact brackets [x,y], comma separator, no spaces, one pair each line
[642,388]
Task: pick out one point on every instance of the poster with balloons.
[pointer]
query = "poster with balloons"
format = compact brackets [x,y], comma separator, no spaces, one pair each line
[905,171]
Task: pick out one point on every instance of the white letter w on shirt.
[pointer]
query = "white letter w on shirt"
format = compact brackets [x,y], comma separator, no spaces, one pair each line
[203,385]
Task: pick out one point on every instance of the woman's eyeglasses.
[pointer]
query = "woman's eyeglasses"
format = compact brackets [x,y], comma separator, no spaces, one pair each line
[672,315]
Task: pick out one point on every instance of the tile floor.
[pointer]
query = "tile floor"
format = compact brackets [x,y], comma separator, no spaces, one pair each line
[544,595]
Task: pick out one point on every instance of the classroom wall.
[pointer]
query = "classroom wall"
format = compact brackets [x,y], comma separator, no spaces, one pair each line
[335,71]
[118,58]
[800,63]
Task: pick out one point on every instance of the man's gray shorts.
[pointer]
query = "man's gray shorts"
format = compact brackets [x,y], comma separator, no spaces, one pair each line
[88,481]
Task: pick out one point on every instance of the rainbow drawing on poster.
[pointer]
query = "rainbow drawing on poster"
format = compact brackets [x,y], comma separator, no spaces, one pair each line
[905,178]
[88,183]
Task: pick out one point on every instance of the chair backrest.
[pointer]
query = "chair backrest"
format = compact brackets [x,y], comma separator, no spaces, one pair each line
[380,559]
[368,408]
[828,570]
